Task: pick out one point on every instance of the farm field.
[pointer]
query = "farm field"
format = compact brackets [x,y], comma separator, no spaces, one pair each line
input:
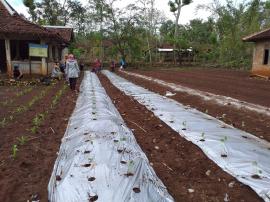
[234,84]
[33,120]
[179,164]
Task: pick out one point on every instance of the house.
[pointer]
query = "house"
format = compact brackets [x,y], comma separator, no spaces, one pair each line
[261,60]
[30,46]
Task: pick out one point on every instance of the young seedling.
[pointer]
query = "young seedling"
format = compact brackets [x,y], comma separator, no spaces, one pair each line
[3,122]
[130,168]
[14,151]
[257,171]
[223,140]
[203,137]
[184,125]
[22,140]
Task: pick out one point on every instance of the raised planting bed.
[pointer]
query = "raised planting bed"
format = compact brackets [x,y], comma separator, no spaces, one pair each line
[250,121]
[99,158]
[226,146]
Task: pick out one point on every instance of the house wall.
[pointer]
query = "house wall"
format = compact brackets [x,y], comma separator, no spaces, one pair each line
[35,67]
[258,68]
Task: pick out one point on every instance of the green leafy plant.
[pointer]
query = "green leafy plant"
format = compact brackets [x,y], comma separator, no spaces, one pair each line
[3,122]
[14,151]
[22,140]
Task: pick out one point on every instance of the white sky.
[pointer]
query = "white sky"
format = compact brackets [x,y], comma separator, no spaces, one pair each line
[188,12]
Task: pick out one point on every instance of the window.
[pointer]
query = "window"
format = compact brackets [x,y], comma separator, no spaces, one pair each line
[266,56]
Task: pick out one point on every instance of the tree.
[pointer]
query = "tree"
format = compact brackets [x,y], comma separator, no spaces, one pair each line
[176,7]
[30,4]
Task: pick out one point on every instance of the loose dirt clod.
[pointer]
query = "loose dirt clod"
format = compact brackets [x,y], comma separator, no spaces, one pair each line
[136,190]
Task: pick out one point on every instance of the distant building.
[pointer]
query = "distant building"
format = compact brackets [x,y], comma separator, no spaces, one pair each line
[261,53]
[19,39]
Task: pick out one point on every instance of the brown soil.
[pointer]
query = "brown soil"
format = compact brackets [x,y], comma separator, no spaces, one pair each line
[14,101]
[252,122]
[179,164]
[236,84]
[26,177]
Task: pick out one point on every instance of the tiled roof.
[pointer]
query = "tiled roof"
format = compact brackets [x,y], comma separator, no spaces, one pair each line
[258,36]
[65,32]
[11,23]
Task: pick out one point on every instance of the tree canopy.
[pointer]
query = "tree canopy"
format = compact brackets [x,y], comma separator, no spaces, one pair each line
[135,30]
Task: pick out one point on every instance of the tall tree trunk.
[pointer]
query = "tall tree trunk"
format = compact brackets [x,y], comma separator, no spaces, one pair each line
[176,30]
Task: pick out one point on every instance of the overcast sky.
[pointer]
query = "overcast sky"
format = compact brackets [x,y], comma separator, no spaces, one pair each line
[189,12]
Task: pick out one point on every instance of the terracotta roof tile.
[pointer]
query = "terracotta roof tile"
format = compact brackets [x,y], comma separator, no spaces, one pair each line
[258,36]
[18,25]
[65,32]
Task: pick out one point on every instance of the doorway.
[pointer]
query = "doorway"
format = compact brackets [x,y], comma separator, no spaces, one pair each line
[3,62]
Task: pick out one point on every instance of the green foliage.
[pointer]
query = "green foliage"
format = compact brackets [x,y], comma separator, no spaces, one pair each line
[22,140]
[14,151]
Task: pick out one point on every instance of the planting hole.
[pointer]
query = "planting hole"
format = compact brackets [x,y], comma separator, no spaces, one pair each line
[93,198]
[202,140]
[86,165]
[87,152]
[136,190]
[58,178]
[129,174]
[119,150]
[224,155]
[256,177]
[91,179]
[123,162]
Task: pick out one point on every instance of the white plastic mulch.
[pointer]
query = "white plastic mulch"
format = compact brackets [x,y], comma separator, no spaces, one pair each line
[99,159]
[241,154]
[219,99]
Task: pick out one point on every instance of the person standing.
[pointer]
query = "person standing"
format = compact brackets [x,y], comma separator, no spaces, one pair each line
[73,71]
[112,65]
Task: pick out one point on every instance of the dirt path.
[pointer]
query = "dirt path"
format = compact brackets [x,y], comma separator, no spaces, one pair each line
[248,121]
[178,163]
[26,177]
[236,84]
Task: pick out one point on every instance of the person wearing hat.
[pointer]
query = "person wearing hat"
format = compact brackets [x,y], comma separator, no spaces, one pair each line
[72,71]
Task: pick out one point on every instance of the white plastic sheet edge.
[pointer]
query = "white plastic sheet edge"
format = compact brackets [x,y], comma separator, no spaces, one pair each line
[219,99]
[246,155]
[99,158]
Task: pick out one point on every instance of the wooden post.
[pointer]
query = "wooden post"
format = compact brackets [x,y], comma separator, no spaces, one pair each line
[56,53]
[50,53]
[43,62]
[8,57]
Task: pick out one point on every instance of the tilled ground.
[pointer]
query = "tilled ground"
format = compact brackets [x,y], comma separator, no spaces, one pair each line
[236,84]
[187,173]
[26,176]
[252,122]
